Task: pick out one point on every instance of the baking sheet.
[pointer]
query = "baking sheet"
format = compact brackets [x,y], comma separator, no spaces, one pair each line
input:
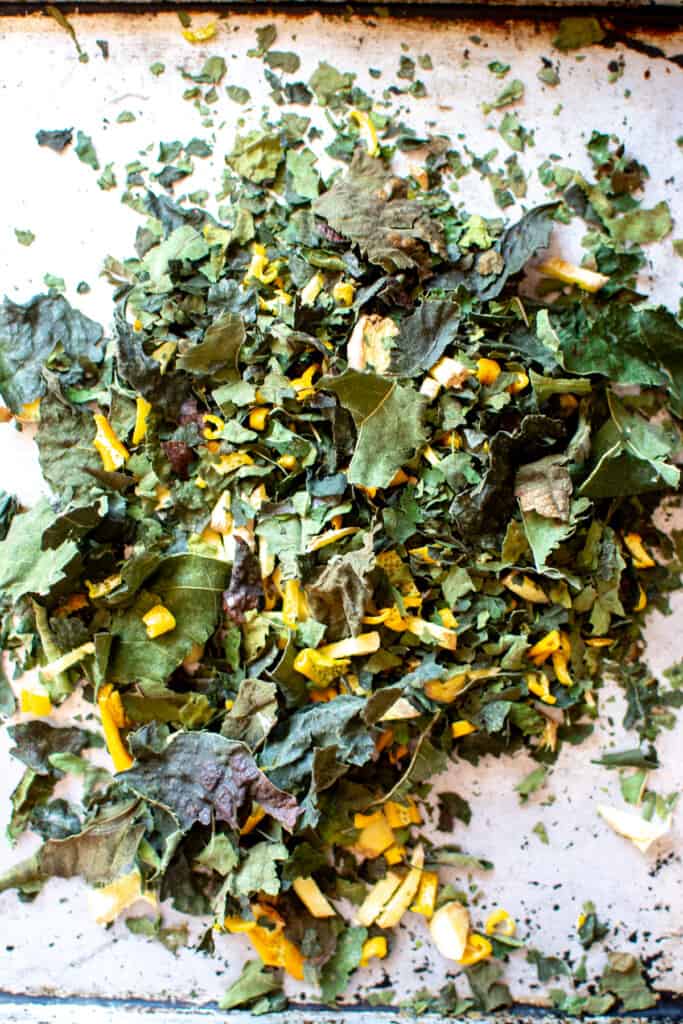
[52,946]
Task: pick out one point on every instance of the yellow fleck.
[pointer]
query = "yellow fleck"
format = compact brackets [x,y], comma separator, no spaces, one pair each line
[395,854]
[288,462]
[257,815]
[542,650]
[425,901]
[104,586]
[215,427]
[158,620]
[539,684]
[520,382]
[330,537]
[500,922]
[641,557]
[367,131]
[33,703]
[113,719]
[201,34]
[599,641]
[402,815]
[30,412]
[137,324]
[477,948]
[163,354]
[462,728]
[294,605]
[641,604]
[258,267]
[569,273]
[200,482]
[525,588]
[258,417]
[312,289]
[343,293]
[303,385]
[375,947]
[110,449]
[142,411]
[229,463]
[488,371]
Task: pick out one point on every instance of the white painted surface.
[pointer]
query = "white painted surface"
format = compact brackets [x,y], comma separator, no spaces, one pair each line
[52,946]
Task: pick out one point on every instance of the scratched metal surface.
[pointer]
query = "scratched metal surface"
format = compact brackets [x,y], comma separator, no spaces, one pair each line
[52,946]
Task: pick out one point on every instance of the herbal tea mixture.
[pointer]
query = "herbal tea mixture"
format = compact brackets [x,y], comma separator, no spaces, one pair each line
[344,497]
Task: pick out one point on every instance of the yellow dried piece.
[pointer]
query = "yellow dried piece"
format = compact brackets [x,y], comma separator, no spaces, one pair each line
[448,619]
[215,427]
[258,267]
[376,834]
[641,558]
[108,901]
[343,293]
[30,412]
[229,463]
[462,728]
[402,815]
[371,342]
[377,898]
[405,894]
[315,901]
[104,587]
[113,719]
[642,833]
[641,604]
[488,371]
[258,417]
[33,703]
[201,34]
[442,636]
[446,690]
[221,517]
[477,948]
[294,606]
[288,462]
[525,588]
[599,641]
[271,944]
[569,273]
[423,555]
[425,901]
[330,537]
[353,646]
[303,385]
[500,922]
[256,816]
[539,684]
[312,289]
[449,928]
[112,452]
[142,411]
[373,948]
[163,496]
[158,620]
[395,854]
[542,650]
[367,131]
[520,382]
[320,668]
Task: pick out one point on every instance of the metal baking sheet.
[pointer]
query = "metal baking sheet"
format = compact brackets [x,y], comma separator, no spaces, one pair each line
[52,947]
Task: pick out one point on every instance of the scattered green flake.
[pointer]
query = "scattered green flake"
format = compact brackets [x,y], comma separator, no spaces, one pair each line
[539,829]
[24,237]
[498,68]
[86,151]
[157,68]
[107,179]
[512,92]
[238,94]
[531,783]
[575,33]
[125,117]
[548,74]
[54,283]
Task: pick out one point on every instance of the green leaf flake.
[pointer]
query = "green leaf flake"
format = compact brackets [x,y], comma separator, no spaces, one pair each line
[254,982]
[86,151]
[575,33]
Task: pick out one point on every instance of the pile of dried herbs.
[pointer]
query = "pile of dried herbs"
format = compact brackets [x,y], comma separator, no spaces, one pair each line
[335,505]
